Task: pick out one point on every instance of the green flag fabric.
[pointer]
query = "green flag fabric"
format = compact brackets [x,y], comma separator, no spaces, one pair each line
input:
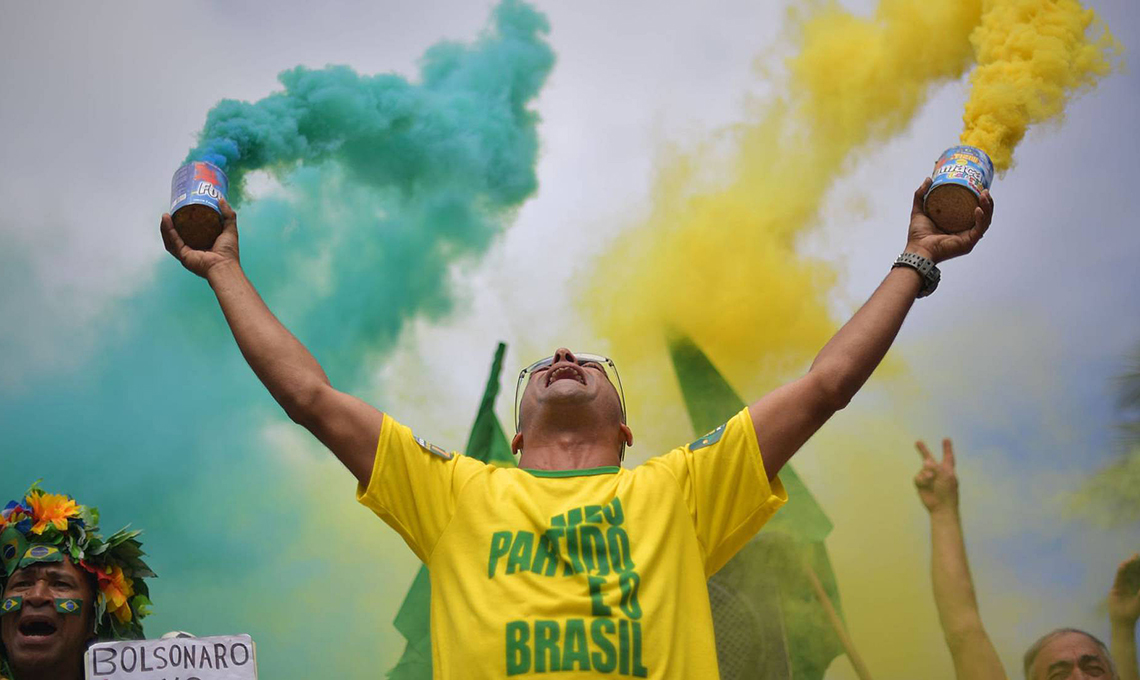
[413,622]
[488,443]
[768,573]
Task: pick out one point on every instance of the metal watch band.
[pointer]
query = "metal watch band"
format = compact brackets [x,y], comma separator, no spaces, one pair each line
[926,268]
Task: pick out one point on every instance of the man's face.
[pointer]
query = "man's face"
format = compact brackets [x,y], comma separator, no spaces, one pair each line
[1071,656]
[37,636]
[570,386]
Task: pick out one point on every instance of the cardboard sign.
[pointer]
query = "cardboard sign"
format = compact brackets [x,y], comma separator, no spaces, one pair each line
[223,657]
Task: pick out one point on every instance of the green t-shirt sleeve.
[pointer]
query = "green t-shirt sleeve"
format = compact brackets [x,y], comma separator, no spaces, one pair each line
[725,487]
[414,486]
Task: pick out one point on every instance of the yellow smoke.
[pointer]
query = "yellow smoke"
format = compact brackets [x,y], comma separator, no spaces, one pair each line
[856,79]
[1033,56]
[717,259]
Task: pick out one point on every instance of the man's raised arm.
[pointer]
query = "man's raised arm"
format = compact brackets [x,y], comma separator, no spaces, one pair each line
[970,646]
[1123,610]
[788,416]
[348,426]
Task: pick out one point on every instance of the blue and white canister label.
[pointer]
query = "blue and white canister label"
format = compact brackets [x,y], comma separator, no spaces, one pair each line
[198,182]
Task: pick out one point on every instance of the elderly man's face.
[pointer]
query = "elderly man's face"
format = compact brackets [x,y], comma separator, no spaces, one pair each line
[37,637]
[1071,656]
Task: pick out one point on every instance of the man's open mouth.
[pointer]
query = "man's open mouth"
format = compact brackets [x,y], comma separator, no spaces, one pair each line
[37,628]
[563,372]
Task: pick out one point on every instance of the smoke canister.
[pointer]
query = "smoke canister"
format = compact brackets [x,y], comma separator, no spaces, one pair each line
[960,176]
[194,193]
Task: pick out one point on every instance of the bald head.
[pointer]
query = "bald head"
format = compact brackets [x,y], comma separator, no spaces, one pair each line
[1068,654]
[569,404]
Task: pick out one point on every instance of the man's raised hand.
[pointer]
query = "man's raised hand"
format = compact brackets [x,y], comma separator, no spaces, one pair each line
[225,248]
[929,241]
[1124,597]
[937,482]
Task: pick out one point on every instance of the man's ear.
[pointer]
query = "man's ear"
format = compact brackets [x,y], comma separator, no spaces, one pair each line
[517,443]
[626,435]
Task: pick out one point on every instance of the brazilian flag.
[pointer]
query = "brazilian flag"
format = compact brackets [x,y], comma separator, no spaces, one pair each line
[768,621]
[489,444]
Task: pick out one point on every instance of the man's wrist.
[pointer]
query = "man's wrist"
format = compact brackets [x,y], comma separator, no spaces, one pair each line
[920,251]
[916,275]
[923,266]
[1127,626]
[944,512]
[222,271]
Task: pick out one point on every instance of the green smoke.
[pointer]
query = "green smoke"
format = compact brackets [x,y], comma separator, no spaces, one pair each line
[387,185]
[400,180]
[465,127]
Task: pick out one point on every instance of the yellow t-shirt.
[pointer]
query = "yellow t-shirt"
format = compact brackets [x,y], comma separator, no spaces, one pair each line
[582,573]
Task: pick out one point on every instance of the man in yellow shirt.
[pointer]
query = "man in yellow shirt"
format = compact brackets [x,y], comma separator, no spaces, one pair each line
[571,564]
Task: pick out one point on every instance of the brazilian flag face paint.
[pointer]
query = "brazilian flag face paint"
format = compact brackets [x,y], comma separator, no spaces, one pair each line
[54,559]
[11,604]
[13,545]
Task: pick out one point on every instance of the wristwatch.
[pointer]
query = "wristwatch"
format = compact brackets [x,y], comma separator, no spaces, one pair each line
[926,268]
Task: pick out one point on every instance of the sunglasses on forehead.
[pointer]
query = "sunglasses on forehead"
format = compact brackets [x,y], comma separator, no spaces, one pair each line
[604,363]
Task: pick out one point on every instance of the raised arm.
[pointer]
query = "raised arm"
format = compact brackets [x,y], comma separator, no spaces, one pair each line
[1123,610]
[786,417]
[348,426]
[974,655]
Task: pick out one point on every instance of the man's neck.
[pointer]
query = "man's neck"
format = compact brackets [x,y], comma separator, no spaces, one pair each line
[566,450]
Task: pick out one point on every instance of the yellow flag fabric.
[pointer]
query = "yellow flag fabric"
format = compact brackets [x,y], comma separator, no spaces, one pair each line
[586,573]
